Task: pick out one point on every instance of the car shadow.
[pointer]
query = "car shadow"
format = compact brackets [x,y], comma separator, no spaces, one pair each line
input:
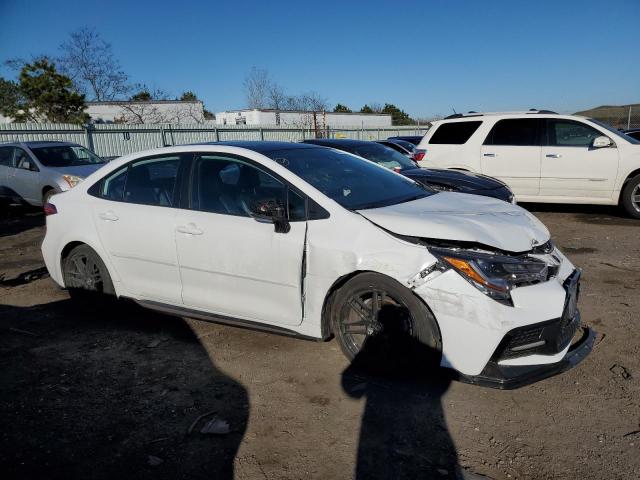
[102,393]
[403,431]
[587,214]
[16,219]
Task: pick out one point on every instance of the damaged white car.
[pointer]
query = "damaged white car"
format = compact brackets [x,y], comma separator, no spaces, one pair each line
[311,241]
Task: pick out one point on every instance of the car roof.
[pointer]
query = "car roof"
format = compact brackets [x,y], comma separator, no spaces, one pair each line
[330,142]
[259,146]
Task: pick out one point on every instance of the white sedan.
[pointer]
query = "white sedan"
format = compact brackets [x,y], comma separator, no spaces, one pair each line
[315,242]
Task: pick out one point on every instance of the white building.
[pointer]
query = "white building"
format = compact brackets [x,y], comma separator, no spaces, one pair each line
[154,111]
[302,119]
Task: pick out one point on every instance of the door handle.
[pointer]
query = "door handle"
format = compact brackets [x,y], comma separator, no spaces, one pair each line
[189,229]
[489,155]
[109,216]
[553,155]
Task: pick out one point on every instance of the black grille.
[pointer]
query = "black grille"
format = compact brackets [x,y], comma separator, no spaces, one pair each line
[545,338]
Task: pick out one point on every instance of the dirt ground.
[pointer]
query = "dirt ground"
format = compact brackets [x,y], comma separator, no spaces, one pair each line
[101,394]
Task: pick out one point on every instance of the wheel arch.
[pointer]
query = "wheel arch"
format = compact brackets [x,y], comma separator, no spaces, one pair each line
[628,178]
[326,330]
[69,246]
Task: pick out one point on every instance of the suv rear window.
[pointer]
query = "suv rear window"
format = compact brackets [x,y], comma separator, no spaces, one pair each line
[520,132]
[454,133]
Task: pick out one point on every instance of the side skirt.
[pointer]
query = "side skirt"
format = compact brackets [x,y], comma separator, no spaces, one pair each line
[222,319]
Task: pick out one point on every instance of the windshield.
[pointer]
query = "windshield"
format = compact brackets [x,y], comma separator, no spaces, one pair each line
[616,132]
[384,156]
[352,182]
[65,156]
[403,143]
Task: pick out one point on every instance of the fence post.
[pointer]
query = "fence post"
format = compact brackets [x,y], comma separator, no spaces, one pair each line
[88,133]
[629,119]
[261,134]
[217,134]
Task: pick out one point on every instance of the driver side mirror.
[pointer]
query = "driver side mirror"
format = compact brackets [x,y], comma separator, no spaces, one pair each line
[602,142]
[274,211]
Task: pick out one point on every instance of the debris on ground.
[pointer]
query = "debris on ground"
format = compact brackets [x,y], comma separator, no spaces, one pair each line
[154,461]
[216,426]
[620,371]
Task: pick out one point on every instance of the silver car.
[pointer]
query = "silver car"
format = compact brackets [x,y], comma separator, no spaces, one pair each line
[31,172]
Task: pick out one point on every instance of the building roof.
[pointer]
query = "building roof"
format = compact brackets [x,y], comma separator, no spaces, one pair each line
[273,110]
[120,102]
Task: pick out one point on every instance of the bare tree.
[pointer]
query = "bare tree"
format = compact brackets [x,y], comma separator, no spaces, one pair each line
[257,86]
[88,60]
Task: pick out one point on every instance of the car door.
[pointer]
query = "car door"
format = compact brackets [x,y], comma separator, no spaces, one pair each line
[571,167]
[511,153]
[24,177]
[135,216]
[231,263]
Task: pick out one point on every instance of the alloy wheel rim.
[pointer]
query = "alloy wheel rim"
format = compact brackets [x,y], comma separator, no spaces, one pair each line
[83,273]
[635,198]
[372,312]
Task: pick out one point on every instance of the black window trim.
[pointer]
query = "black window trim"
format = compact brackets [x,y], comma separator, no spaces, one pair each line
[95,190]
[187,187]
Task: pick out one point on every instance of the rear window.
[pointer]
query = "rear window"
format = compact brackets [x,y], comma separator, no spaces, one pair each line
[520,132]
[454,133]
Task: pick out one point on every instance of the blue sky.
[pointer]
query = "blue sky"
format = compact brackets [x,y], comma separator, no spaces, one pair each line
[424,56]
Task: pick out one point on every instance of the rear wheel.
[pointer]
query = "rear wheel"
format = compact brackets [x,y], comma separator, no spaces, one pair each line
[631,197]
[382,324]
[86,276]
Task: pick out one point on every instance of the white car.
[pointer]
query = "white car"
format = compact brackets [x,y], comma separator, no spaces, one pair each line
[542,156]
[31,172]
[315,242]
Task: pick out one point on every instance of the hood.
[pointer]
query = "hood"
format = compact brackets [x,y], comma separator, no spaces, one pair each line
[455,178]
[81,171]
[463,217]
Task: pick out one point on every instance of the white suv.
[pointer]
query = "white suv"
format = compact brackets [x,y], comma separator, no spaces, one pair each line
[542,156]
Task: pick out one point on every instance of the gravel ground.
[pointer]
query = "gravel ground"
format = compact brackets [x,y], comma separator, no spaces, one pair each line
[126,393]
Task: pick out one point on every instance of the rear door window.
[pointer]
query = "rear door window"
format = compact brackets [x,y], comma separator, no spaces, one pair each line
[6,156]
[152,181]
[515,132]
[454,133]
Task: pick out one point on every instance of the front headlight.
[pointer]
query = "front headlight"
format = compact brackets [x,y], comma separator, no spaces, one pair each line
[492,274]
[72,180]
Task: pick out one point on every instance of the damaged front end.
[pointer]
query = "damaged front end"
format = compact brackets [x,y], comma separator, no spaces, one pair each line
[515,327]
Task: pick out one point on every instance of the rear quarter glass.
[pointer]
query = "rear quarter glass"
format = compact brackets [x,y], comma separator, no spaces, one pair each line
[454,133]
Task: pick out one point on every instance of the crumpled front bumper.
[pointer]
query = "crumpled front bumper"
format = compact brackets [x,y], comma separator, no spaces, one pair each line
[507,377]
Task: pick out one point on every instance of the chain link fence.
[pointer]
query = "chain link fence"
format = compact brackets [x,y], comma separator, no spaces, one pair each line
[116,140]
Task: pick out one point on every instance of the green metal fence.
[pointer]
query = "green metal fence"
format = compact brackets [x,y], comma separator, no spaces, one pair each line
[115,140]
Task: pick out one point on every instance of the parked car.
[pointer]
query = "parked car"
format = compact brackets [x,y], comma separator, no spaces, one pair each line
[633,133]
[415,139]
[400,146]
[436,179]
[314,242]
[31,172]
[542,156]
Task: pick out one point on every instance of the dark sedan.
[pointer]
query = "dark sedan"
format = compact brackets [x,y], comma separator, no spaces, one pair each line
[436,179]
[633,133]
[415,139]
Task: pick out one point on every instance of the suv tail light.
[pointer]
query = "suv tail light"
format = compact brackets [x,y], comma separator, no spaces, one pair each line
[418,155]
[49,209]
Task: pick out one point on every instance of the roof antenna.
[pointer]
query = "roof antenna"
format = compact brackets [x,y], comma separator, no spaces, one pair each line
[454,111]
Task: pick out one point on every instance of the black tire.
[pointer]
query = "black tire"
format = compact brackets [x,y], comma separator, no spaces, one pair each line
[86,277]
[630,198]
[47,195]
[406,329]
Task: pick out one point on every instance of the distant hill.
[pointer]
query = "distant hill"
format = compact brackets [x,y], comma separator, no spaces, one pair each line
[615,115]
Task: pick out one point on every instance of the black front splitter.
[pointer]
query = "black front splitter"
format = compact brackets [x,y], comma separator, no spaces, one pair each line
[509,377]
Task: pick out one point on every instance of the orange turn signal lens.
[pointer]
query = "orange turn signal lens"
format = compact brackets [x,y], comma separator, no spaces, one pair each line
[465,267]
